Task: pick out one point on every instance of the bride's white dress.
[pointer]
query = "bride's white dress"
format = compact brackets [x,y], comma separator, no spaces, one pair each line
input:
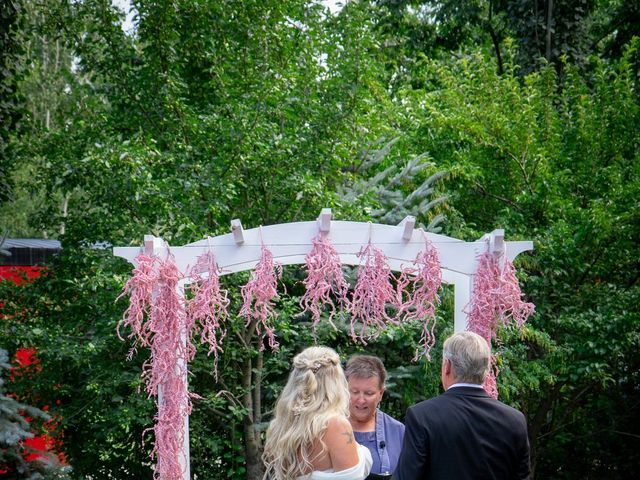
[357,472]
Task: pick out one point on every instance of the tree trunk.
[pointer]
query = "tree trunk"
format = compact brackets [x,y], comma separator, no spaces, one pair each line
[257,392]
[549,26]
[495,40]
[496,47]
[251,403]
[65,210]
[255,469]
[539,420]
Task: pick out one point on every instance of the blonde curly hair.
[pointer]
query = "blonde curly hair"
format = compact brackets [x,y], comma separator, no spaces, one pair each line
[316,391]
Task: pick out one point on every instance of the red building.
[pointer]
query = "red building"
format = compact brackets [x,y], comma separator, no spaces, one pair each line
[23,258]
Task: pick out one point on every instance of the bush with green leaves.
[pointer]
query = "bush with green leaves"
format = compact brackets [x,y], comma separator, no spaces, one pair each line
[264,110]
[18,422]
[556,160]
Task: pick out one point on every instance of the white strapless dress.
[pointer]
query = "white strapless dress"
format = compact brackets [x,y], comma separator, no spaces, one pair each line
[357,472]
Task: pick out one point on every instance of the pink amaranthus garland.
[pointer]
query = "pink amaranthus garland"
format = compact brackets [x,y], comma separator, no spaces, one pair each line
[421,285]
[208,307]
[164,373]
[497,298]
[373,291]
[324,279]
[140,288]
[258,295]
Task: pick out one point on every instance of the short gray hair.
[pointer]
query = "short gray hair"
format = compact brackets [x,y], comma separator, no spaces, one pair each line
[366,366]
[469,355]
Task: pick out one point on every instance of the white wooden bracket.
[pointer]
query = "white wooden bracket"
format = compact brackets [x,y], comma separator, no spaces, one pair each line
[152,244]
[500,249]
[324,220]
[238,231]
[496,242]
[408,225]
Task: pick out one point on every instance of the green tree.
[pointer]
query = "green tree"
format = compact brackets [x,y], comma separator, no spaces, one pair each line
[10,105]
[545,31]
[15,427]
[558,164]
[69,315]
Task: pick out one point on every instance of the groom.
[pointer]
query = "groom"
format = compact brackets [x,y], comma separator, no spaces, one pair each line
[464,433]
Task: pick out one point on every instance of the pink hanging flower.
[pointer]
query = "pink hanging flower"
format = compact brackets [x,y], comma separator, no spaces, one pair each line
[373,291]
[209,304]
[258,295]
[167,326]
[140,288]
[164,373]
[497,298]
[512,309]
[421,285]
[490,384]
[482,316]
[324,279]
[173,408]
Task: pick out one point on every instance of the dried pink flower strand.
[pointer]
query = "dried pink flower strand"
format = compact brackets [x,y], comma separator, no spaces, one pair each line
[208,309]
[140,290]
[258,295]
[324,280]
[490,384]
[173,407]
[512,309]
[373,291]
[420,285]
[497,299]
[154,295]
[167,326]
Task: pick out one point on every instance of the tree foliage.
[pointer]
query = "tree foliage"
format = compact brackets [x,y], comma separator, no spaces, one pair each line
[558,163]
[18,422]
[545,31]
[10,104]
[269,111]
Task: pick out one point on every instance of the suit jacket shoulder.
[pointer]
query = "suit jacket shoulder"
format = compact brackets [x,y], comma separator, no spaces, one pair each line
[464,434]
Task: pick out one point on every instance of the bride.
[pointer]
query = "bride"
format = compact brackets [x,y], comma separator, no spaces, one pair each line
[310,437]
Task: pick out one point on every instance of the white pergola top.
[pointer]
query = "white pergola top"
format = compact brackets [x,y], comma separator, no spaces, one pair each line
[289,243]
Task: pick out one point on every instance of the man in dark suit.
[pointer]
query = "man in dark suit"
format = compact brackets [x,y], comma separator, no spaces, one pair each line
[464,433]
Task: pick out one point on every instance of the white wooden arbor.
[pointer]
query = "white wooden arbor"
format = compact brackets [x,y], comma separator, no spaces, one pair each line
[289,243]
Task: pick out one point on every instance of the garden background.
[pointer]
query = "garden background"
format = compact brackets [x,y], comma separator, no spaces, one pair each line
[471,115]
